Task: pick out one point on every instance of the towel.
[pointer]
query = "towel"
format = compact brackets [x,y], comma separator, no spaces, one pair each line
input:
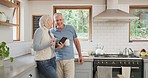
[126,71]
[103,72]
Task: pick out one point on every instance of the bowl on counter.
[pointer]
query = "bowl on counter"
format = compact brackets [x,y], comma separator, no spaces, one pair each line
[137,53]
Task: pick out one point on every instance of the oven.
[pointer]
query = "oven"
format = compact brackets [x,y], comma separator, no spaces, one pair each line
[116,64]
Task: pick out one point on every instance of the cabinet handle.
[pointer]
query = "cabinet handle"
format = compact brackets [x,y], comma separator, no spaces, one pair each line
[30,76]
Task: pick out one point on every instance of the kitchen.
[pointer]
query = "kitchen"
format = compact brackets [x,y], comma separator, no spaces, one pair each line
[113,36]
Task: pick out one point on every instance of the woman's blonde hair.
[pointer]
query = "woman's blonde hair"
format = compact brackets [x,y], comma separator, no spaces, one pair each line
[43,22]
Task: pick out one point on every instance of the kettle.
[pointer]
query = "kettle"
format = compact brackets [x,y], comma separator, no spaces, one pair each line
[99,49]
[128,51]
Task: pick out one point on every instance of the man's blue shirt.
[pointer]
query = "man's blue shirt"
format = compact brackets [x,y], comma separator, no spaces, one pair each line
[67,52]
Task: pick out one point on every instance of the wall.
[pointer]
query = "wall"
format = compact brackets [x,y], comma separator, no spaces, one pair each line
[24,46]
[6,32]
[19,48]
[114,36]
[24,21]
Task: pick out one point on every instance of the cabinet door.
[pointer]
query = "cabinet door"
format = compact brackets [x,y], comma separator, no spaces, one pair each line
[146,70]
[83,74]
[31,74]
[83,70]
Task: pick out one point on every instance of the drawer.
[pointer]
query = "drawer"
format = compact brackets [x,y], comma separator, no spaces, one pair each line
[85,65]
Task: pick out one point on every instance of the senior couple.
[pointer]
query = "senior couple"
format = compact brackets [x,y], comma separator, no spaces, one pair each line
[55,62]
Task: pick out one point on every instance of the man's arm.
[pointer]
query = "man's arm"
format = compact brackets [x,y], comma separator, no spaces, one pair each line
[78,47]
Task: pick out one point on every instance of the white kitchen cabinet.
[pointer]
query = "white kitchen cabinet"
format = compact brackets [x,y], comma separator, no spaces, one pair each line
[145,69]
[31,74]
[83,70]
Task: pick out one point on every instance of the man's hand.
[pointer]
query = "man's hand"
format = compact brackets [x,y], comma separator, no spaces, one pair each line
[80,60]
[60,45]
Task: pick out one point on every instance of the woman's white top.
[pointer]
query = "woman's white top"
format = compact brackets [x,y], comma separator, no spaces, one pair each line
[41,44]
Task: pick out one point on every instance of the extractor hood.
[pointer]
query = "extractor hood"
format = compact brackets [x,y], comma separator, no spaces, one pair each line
[112,13]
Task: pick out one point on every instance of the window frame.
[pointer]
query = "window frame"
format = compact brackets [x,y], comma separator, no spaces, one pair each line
[79,7]
[137,7]
[17,10]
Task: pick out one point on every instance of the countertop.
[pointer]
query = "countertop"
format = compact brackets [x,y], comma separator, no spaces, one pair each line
[18,67]
[26,63]
[145,59]
[22,65]
[86,58]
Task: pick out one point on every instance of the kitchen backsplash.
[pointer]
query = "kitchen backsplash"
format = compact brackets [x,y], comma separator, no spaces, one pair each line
[113,35]
[19,48]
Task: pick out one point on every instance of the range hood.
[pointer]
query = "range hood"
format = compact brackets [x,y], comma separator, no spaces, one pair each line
[112,13]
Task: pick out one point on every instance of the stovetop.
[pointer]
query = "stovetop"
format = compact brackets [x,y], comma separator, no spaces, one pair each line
[115,56]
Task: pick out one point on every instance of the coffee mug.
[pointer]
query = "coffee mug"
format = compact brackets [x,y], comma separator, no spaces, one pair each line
[67,42]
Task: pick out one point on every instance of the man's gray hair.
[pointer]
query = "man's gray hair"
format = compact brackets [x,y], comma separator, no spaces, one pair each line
[57,14]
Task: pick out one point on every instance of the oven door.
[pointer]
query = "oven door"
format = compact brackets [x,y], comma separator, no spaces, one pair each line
[135,72]
[136,68]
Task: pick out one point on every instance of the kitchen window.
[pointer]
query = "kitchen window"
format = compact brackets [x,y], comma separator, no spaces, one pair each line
[16,20]
[80,17]
[139,27]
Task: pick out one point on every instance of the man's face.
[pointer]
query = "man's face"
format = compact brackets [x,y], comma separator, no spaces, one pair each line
[59,22]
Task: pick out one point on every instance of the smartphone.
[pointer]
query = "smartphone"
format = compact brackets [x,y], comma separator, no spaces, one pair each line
[63,40]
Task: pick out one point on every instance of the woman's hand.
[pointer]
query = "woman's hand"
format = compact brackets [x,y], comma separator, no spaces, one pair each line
[53,41]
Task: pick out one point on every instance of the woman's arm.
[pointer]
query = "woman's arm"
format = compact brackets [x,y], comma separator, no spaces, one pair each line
[37,41]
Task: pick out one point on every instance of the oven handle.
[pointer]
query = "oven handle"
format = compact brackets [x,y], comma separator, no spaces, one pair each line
[131,67]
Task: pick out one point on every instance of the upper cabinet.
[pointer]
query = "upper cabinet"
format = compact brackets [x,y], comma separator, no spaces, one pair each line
[8,4]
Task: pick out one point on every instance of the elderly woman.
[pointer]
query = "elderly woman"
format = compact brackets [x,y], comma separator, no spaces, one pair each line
[43,44]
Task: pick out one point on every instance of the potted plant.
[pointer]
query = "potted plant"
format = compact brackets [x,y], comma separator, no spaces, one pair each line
[4,52]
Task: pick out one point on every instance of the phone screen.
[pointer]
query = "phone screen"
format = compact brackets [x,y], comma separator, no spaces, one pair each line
[63,40]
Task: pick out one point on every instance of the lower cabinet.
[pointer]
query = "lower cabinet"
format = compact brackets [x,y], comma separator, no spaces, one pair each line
[146,70]
[31,74]
[83,70]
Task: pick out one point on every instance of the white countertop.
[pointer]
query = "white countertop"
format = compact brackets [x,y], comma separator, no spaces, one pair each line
[26,63]
[86,59]
[22,65]
[145,59]
[18,67]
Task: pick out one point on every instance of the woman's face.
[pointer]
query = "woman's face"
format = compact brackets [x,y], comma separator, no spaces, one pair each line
[50,24]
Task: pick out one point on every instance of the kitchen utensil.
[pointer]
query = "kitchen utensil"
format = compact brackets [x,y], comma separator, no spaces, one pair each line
[99,49]
[136,52]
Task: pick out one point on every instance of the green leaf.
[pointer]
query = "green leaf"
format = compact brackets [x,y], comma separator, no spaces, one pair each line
[11,59]
[4,51]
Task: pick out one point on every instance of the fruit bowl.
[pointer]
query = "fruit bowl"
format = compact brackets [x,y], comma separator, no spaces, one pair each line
[144,53]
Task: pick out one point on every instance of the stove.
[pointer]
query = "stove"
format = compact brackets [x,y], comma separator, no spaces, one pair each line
[115,56]
[117,61]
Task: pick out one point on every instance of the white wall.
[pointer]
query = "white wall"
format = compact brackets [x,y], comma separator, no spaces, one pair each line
[113,35]
[24,22]
[6,32]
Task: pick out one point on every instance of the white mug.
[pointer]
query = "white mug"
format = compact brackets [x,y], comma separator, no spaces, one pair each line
[67,42]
